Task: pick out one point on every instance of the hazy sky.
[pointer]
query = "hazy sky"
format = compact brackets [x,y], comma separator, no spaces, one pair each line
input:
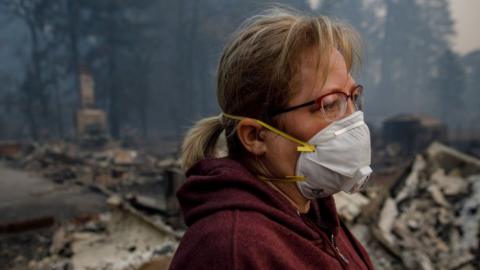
[467,24]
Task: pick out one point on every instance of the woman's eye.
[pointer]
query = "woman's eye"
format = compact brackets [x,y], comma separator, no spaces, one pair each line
[330,105]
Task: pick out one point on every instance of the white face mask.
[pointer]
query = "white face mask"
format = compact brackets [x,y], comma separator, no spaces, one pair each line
[341,161]
[336,159]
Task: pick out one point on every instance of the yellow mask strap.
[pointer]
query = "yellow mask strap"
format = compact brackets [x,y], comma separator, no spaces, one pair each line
[305,147]
[288,178]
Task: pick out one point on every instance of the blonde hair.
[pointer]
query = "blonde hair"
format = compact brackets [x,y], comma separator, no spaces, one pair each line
[256,73]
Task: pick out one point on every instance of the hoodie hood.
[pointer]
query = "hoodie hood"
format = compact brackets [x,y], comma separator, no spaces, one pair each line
[224,184]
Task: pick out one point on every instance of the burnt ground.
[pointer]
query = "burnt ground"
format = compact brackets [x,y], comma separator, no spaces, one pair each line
[31,207]
[16,250]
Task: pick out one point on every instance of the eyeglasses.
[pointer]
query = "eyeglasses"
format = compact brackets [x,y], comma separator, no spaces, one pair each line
[332,105]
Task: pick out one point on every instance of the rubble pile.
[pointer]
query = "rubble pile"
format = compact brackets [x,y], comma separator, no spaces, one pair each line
[419,215]
[428,219]
[112,166]
[120,239]
[142,228]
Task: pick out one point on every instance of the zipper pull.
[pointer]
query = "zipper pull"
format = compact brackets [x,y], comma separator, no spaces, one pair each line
[332,238]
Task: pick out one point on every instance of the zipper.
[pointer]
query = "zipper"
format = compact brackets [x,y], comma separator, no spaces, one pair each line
[333,245]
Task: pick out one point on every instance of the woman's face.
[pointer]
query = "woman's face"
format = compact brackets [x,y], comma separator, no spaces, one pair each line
[305,122]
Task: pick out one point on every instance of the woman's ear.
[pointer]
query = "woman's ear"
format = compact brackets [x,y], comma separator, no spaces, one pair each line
[250,133]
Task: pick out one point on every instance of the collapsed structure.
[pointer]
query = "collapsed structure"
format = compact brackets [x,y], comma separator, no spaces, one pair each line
[91,122]
[423,215]
[141,227]
[426,218]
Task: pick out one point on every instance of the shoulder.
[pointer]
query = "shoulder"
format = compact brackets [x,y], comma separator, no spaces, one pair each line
[207,244]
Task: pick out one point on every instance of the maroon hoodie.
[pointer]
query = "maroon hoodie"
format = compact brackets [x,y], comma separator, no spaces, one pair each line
[239,222]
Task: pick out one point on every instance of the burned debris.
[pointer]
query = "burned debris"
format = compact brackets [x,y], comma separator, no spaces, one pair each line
[411,134]
[402,136]
[427,218]
[120,239]
[101,203]
[417,213]
[423,215]
[139,221]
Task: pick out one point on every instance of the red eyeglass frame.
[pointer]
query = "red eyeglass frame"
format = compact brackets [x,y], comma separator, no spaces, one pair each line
[319,100]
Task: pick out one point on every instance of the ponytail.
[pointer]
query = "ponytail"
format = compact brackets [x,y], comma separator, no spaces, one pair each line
[200,141]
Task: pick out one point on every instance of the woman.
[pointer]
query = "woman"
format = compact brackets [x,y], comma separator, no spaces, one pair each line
[295,135]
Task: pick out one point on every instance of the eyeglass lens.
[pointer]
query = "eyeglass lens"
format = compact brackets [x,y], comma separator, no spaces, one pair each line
[334,106]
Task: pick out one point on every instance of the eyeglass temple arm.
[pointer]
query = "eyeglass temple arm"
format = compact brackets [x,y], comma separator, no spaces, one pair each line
[277,112]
